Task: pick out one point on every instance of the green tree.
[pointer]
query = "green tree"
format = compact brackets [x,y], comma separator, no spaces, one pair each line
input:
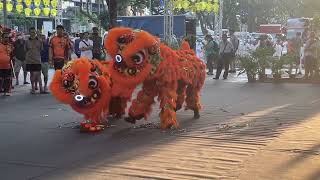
[108,16]
[277,11]
[156,8]
[230,11]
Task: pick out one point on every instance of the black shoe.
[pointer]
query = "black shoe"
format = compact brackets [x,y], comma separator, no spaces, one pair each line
[26,82]
[196,114]
[130,120]
[133,120]
[225,78]
[44,92]
[209,73]
[216,78]
[178,107]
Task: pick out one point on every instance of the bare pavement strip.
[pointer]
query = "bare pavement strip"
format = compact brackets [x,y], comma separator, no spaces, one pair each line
[247,131]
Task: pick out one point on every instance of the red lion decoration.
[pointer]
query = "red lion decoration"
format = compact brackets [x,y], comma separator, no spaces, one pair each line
[173,76]
[85,86]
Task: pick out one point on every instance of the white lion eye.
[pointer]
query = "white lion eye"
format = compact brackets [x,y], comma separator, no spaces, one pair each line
[93,83]
[138,58]
[79,98]
[118,58]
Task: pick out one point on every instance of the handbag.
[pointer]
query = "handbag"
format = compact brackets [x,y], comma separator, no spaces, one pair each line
[85,43]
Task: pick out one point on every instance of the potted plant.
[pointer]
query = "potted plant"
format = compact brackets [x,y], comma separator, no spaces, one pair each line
[290,60]
[249,65]
[263,56]
[276,68]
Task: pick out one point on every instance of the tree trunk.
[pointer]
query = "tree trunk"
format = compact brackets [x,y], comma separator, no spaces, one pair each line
[112,8]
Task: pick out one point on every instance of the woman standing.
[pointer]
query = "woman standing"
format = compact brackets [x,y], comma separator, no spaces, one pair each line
[5,64]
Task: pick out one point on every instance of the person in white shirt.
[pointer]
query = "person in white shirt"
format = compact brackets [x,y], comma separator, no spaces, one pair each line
[86,46]
[225,51]
[278,47]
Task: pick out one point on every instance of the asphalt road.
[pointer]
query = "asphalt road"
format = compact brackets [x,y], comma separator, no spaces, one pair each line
[238,120]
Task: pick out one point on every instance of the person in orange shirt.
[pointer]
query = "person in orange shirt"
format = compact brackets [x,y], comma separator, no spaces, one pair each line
[5,64]
[60,50]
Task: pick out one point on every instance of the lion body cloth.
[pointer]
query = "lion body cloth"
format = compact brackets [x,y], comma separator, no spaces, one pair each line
[138,58]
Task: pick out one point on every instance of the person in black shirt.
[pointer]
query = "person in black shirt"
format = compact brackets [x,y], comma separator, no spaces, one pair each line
[76,45]
[44,62]
[19,57]
[97,44]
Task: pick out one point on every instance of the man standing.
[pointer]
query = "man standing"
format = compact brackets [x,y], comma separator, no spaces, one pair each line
[225,52]
[19,57]
[60,50]
[211,50]
[310,53]
[235,42]
[76,45]
[97,43]
[86,46]
[33,60]
[294,49]
[5,64]
[278,47]
[44,62]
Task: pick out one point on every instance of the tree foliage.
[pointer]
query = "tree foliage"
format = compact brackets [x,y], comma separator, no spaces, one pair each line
[231,10]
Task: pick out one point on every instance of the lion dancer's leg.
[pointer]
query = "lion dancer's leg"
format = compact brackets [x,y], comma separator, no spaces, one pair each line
[117,107]
[1,85]
[182,86]
[168,99]
[193,101]
[141,106]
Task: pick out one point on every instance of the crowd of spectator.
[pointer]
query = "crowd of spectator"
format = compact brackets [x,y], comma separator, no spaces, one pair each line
[34,53]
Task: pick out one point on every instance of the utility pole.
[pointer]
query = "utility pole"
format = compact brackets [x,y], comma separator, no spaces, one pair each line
[150,6]
[58,19]
[5,15]
[219,19]
[168,21]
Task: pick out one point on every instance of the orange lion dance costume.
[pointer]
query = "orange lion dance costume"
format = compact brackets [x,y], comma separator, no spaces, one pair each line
[97,89]
[85,86]
[174,77]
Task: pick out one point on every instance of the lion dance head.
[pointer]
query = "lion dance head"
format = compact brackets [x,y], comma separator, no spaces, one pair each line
[84,85]
[135,54]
